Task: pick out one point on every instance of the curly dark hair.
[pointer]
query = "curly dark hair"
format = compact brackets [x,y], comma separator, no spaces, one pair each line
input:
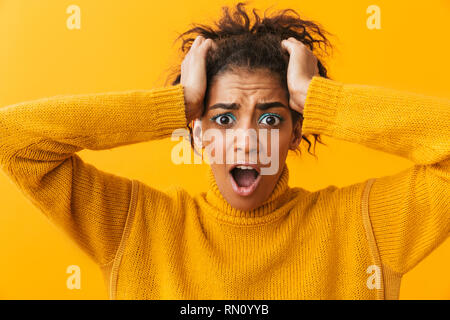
[241,44]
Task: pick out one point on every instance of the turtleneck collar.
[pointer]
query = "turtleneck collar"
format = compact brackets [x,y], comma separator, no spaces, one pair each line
[270,210]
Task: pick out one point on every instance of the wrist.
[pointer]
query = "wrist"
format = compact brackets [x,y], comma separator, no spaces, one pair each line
[192,108]
[190,116]
[298,98]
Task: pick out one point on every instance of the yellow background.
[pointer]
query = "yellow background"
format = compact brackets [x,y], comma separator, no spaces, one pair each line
[129,44]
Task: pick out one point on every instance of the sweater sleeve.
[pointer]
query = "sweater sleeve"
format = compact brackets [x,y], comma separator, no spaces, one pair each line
[410,210]
[38,144]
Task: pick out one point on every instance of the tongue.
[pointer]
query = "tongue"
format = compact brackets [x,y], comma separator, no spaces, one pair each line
[244,178]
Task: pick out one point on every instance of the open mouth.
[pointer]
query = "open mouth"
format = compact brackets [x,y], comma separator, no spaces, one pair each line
[244,179]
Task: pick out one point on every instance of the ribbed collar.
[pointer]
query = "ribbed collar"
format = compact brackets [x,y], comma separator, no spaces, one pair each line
[270,210]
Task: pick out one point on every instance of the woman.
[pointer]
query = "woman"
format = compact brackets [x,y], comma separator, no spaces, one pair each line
[250,236]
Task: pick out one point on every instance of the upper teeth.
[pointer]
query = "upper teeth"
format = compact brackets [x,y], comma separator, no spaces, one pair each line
[245,167]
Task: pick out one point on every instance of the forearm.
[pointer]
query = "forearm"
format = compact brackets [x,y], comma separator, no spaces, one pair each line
[408,210]
[38,141]
[67,124]
[409,125]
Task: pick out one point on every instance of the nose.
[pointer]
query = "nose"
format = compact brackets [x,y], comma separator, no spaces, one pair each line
[246,140]
[245,145]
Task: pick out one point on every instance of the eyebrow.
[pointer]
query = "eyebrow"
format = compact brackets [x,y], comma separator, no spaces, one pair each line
[260,106]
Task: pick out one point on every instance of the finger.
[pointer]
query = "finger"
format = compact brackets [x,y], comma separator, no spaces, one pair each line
[287,45]
[198,40]
[294,40]
[297,42]
[209,43]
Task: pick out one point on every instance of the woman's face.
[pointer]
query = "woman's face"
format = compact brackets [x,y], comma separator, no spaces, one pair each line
[247,131]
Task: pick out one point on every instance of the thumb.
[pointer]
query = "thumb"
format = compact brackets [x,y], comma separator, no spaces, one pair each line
[208,44]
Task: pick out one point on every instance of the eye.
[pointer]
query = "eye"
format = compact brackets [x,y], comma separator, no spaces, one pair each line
[223,119]
[270,119]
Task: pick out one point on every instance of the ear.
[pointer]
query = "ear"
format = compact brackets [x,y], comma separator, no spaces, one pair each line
[197,133]
[296,137]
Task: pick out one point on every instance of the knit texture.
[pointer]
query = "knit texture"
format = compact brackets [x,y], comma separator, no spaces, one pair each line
[168,244]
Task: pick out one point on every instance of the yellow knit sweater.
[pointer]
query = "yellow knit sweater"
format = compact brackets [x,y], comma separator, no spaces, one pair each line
[354,242]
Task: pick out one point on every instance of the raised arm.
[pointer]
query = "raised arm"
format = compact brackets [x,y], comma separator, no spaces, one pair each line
[39,140]
[38,144]
[409,211]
